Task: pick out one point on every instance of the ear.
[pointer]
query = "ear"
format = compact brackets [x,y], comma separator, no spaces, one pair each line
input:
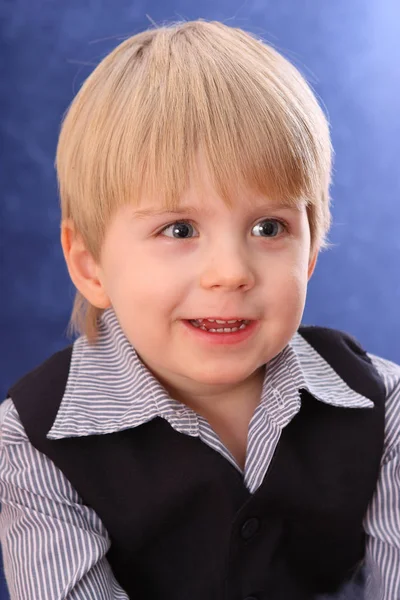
[82,268]
[312,262]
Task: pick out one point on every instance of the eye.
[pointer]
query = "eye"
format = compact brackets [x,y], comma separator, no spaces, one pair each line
[268,228]
[179,230]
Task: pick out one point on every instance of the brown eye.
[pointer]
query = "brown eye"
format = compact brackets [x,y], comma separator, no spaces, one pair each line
[268,228]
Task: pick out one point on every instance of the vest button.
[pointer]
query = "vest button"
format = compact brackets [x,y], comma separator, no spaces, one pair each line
[249,528]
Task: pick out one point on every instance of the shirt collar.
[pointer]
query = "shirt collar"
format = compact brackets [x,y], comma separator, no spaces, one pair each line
[110,389]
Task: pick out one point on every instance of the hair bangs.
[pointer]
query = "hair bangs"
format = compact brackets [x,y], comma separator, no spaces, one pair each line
[250,134]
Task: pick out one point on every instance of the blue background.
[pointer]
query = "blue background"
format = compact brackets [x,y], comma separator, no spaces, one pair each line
[348,50]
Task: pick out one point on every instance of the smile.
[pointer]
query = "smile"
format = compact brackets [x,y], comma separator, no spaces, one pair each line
[219,325]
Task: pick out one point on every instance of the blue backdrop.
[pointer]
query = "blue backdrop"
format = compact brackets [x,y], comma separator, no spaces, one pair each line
[348,50]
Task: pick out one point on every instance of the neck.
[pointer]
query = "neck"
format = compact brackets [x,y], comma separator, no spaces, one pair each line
[221,400]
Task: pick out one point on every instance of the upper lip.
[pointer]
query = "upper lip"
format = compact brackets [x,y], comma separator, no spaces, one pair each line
[221,319]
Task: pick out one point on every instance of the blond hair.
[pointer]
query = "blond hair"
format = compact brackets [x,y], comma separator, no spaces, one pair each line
[139,119]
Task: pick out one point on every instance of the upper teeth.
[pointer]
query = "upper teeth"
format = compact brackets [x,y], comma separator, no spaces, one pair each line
[220,325]
[219,321]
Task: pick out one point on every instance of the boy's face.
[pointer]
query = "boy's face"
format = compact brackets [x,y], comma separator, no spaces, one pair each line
[248,262]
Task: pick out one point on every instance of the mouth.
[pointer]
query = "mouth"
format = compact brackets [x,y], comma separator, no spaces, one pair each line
[220,325]
[219,332]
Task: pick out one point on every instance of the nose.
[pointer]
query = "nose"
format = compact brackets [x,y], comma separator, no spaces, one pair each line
[227,269]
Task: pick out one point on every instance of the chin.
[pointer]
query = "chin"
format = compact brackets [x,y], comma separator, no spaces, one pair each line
[221,377]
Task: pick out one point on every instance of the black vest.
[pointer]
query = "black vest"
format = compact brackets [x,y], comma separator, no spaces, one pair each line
[181,522]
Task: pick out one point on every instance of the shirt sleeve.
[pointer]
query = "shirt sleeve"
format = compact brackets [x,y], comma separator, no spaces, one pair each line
[382,522]
[53,545]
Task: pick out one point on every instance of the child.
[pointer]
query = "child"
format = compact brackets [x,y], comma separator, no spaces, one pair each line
[196,442]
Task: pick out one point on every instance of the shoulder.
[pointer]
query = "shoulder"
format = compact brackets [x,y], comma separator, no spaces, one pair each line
[337,347]
[318,337]
[388,370]
[11,429]
[324,351]
[56,367]
[38,394]
[390,374]
[31,481]
[40,381]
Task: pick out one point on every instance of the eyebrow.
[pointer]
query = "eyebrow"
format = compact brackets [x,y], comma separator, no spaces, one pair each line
[157,212]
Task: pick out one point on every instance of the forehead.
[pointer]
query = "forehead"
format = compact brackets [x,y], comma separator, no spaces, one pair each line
[210,208]
[205,191]
[206,200]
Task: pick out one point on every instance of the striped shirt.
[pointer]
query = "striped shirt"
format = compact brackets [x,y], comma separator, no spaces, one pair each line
[55,547]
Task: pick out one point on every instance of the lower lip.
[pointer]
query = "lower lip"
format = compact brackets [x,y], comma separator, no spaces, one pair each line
[236,337]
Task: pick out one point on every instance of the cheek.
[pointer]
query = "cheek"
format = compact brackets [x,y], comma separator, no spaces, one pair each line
[288,286]
[143,284]
[299,279]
